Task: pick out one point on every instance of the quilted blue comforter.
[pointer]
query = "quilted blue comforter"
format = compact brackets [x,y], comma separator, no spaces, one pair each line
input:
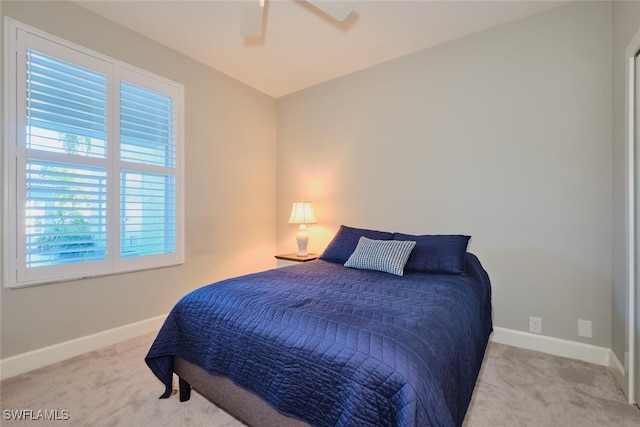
[336,346]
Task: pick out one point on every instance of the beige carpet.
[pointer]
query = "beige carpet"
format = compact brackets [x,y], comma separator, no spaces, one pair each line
[114,387]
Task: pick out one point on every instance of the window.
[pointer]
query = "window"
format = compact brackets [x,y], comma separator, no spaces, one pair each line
[93,163]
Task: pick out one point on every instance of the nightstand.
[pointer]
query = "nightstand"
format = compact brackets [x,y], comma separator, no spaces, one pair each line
[293,258]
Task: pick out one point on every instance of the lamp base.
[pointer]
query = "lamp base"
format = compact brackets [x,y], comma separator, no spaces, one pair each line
[303,240]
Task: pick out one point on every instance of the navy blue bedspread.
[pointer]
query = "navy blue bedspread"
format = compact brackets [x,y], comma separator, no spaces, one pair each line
[336,346]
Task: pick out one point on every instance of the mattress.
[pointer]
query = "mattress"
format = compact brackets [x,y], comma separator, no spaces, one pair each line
[336,346]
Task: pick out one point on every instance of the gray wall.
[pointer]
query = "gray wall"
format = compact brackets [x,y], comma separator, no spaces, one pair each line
[626,23]
[230,192]
[504,135]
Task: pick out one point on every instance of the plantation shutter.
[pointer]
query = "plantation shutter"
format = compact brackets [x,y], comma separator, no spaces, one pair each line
[65,194]
[65,100]
[148,185]
[94,163]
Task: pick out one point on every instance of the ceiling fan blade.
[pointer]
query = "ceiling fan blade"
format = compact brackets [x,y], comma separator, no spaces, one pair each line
[251,21]
[338,10]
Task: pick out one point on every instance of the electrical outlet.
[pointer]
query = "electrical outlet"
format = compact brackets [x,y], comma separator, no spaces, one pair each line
[535,325]
[584,328]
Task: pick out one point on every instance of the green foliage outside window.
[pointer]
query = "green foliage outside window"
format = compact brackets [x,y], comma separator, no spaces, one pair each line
[71,237]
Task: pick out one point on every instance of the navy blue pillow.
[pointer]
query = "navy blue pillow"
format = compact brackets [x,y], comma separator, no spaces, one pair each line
[437,253]
[346,240]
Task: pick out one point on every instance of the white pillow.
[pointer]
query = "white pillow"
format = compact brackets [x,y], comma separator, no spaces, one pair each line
[389,256]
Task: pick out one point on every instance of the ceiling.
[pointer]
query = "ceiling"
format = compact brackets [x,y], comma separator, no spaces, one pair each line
[300,46]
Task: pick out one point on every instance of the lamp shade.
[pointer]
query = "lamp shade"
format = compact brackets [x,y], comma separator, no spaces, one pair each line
[302,213]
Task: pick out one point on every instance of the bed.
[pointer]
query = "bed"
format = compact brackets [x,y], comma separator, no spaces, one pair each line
[323,343]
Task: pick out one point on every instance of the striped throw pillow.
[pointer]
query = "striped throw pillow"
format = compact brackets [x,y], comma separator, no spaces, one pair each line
[389,256]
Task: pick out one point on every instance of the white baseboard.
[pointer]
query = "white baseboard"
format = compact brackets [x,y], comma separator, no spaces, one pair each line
[614,363]
[556,346]
[618,372]
[21,363]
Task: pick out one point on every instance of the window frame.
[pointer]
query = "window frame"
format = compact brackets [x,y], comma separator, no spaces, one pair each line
[18,38]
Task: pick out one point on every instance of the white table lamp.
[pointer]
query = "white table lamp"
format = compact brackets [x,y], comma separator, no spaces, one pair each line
[302,213]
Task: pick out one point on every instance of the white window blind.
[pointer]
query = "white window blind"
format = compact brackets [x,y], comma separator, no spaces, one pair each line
[148,219]
[147,200]
[66,213]
[66,106]
[147,128]
[65,201]
[93,163]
